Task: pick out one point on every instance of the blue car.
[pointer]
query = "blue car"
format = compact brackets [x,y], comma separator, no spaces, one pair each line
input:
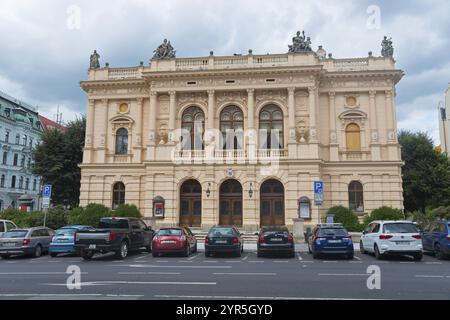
[436,238]
[63,240]
[330,239]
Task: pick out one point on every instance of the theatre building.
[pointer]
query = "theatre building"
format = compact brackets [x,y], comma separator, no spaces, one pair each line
[240,139]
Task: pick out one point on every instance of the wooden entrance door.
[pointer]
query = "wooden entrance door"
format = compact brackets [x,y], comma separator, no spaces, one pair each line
[272,204]
[230,210]
[191,204]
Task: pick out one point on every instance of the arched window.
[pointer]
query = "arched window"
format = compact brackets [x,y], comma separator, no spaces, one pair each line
[271,127]
[355,196]
[122,141]
[353,137]
[232,127]
[192,123]
[118,195]
[17,138]
[13,182]
[2,181]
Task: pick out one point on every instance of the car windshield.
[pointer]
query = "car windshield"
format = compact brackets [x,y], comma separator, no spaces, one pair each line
[15,234]
[217,232]
[399,228]
[65,232]
[113,224]
[333,232]
[170,232]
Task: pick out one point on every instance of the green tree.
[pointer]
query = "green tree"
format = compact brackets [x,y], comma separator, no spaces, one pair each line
[426,173]
[90,215]
[57,159]
[384,213]
[127,210]
[345,216]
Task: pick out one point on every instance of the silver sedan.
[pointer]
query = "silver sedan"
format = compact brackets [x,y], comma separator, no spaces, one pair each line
[31,242]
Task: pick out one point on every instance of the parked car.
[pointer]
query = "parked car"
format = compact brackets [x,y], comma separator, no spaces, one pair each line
[436,238]
[174,239]
[330,239]
[6,225]
[63,240]
[224,239]
[275,239]
[31,241]
[392,238]
[116,234]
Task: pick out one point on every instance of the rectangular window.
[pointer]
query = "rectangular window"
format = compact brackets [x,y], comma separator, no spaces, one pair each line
[16,159]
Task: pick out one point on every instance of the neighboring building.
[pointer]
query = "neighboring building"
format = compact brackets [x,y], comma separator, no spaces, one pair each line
[48,124]
[317,118]
[20,133]
[444,122]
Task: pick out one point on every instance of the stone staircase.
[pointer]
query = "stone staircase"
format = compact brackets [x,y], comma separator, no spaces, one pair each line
[200,234]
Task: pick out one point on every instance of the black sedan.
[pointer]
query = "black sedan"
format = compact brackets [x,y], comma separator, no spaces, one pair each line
[276,239]
[224,239]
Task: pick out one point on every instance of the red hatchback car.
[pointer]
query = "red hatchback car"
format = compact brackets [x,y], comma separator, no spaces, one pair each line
[174,240]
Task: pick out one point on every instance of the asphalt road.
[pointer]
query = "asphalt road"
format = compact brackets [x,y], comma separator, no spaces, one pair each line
[141,276]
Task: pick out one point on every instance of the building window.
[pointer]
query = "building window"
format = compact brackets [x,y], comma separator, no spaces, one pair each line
[25,139]
[34,184]
[16,159]
[7,136]
[353,137]
[305,208]
[232,127]
[29,163]
[118,195]
[13,204]
[21,183]
[13,182]
[17,138]
[22,161]
[1,205]
[27,184]
[271,127]
[192,124]
[31,142]
[122,141]
[355,196]
[2,181]
[5,157]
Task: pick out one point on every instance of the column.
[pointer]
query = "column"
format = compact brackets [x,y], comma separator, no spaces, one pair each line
[211,108]
[251,108]
[102,155]
[87,154]
[389,116]
[172,114]
[152,125]
[251,142]
[137,145]
[291,115]
[312,114]
[373,116]
[334,145]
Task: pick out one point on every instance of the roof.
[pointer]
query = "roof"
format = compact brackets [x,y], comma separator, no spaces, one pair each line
[50,124]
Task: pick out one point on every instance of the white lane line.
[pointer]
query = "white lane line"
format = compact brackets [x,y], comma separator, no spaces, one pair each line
[307,261]
[245,274]
[255,298]
[157,273]
[357,258]
[433,262]
[429,276]
[193,257]
[232,261]
[329,261]
[245,258]
[256,261]
[355,262]
[184,261]
[342,274]
[142,257]
[407,262]
[12,262]
[101,283]
[209,261]
[156,266]
[281,261]
[33,273]
[162,261]
[118,261]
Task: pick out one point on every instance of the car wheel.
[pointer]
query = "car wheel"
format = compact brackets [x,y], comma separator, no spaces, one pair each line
[361,248]
[123,251]
[350,256]
[53,254]
[239,253]
[154,254]
[37,251]
[259,254]
[378,255]
[207,254]
[187,253]
[149,247]
[315,255]
[418,257]
[87,255]
[438,252]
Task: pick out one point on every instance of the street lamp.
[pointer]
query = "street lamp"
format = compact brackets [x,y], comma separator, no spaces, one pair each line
[250,192]
[208,190]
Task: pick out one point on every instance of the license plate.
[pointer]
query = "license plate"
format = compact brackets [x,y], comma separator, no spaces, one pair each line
[402,243]
[334,241]
[276,239]
[93,246]
[9,244]
[167,241]
[221,241]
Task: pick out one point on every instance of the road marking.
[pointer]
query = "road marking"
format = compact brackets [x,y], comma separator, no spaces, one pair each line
[284,261]
[142,257]
[300,257]
[342,274]
[429,276]
[357,258]
[256,261]
[192,258]
[255,298]
[246,274]
[158,273]
[433,262]
[209,261]
[101,283]
[184,261]
[155,266]
[329,261]
[118,261]
[307,262]
[245,258]
[232,261]
[162,261]
[407,262]
[34,273]
[355,262]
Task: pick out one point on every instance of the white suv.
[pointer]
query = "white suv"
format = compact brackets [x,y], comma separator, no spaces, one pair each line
[6,225]
[392,238]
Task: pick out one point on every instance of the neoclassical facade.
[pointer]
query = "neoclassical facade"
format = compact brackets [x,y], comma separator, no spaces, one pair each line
[241,139]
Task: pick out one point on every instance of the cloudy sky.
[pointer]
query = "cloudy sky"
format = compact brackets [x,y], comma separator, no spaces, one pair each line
[45,51]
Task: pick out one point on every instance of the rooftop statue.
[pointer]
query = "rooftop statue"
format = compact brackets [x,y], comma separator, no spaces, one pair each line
[164,51]
[300,43]
[387,47]
[95,60]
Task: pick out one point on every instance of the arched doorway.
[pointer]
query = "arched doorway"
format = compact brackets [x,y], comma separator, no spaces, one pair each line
[191,204]
[272,203]
[230,210]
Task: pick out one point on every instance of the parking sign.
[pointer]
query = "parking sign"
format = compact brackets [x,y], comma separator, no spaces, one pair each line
[47,191]
[318,192]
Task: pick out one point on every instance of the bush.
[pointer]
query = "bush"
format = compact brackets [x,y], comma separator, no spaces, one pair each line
[430,215]
[90,215]
[346,216]
[385,213]
[56,217]
[127,210]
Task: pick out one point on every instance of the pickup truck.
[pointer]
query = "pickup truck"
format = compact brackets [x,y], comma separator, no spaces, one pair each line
[115,234]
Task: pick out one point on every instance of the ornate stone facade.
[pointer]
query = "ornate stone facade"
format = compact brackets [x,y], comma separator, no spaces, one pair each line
[332,119]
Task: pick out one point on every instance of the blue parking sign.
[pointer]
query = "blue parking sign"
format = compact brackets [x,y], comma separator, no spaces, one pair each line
[47,191]
[318,187]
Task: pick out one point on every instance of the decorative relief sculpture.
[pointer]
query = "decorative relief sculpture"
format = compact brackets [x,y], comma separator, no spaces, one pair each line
[302,132]
[387,49]
[272,95]
[300,43]
[232,96]
[193,97]
[95,60]
[164,51]
[163,134]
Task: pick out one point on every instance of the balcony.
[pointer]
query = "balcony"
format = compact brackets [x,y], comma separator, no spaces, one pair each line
[228,156]
[352,155]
